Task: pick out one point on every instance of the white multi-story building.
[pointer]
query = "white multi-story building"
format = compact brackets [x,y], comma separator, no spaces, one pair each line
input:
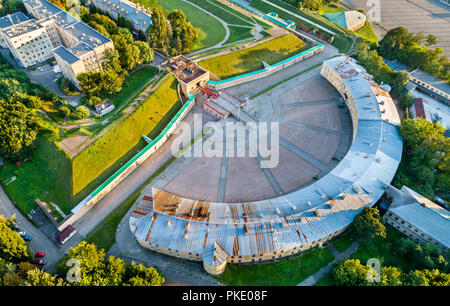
[76,47]
[139,16]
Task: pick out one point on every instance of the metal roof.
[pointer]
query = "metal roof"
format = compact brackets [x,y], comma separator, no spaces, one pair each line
[12,19]
[66,55]
[129,10]
[424,214]
[284,222]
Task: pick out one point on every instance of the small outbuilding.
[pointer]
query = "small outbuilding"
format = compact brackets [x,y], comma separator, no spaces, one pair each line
[104,107]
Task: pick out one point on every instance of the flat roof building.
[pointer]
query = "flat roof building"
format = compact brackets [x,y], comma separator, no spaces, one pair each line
[221,233]
[139,16]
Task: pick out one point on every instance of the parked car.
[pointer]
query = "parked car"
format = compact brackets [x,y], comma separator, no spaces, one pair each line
[27,238]
[39,262]
[39,254]
[22,234]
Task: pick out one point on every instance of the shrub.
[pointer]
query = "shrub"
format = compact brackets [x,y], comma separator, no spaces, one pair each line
[64,111]
[82,112]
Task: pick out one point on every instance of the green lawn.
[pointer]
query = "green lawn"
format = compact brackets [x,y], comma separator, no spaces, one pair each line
[46,176]
[330,8]
[133,84]
[342,43]
[107,150]
[251,59]
[368,33]
[343,241]
[284,273]
[211,31]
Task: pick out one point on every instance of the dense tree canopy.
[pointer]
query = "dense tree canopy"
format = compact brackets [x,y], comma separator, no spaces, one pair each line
[19,103]
[12,247]
[173,33]
[96,271]
[367,225]
[11,6]
[426,162]
[414,51]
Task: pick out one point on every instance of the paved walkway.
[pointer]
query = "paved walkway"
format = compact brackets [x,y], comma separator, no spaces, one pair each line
[337,258]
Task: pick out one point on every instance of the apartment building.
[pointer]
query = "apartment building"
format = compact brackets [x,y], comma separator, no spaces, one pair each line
[53,32]
[417,217]
[139,16]
[28,42]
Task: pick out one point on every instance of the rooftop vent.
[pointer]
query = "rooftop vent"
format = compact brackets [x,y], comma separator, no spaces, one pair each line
[169,223]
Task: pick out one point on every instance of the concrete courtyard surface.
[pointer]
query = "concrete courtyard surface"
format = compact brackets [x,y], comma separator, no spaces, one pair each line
[313,133]
[429,16]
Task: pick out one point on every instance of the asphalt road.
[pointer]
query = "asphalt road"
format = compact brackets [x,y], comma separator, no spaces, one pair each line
[40,242]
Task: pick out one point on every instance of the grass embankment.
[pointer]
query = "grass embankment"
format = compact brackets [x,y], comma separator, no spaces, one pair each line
[107,150]
[50,173]
[368,33]
[288,272]
[251,59]
[240,25]
[211,31]
[47,176]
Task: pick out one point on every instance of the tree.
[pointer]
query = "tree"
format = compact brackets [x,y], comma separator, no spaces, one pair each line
[12,247]
[416,131]
[92,101]
[312,5]
[64,111]
[89,82]
[12,279]
[145,53]
[81,112]
[405,100]
[367,225]
[351,273]
[112,61]
[37,277]
[141,275]
[110,82]
[160,30]
[391,276]
[91,263]
[18,130]
[184,35]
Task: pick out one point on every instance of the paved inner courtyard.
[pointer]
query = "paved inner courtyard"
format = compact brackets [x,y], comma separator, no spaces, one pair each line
[314,130]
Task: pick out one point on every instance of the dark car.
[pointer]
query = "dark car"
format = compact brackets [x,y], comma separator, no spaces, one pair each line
[39,262]
[39,254]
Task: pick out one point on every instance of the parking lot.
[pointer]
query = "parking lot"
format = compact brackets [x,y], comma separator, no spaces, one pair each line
[43,75]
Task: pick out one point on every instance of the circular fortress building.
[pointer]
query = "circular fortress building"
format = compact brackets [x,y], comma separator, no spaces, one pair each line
[219,233]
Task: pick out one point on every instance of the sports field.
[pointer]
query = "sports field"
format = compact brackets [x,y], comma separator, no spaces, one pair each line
[251,59]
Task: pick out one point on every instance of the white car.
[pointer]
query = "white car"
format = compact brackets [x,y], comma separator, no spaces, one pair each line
[22,234]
